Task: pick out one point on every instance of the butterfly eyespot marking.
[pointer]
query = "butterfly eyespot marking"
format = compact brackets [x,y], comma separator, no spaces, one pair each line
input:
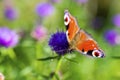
[66,19]
[97,53]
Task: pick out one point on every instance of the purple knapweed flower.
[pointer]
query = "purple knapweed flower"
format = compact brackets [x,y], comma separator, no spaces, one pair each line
[8,38]
[117,39]
[39,33]
[10,13]
[44,9]
[58,43]
[111,36]
[116,20]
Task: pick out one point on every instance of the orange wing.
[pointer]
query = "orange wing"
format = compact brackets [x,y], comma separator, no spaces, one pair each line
[85,42]
[71,26]
[87,45]
[79,39]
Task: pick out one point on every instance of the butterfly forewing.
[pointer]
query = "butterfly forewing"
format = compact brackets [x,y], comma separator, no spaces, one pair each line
[71,26]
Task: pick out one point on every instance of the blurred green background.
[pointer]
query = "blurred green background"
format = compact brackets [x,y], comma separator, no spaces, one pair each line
[20,62]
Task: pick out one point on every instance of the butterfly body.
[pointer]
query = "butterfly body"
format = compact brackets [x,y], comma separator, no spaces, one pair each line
[78,39]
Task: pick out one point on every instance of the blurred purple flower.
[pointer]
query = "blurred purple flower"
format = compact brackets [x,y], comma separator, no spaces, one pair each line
[39,33]
[82,1]
[8,38]
[2,76]
[117,39]
[58,43]
[116,20]
[10,13]
[44,9]
[110,37]
[97,22]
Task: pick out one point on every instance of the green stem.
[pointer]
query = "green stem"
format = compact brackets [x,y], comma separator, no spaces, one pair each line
[37,50]
[57,68]
[11,53]
[37,55]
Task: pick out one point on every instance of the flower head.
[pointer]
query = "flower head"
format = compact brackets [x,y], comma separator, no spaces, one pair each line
[116,20]
[44,9]
[8,38]
[58,43]
[111,36]
[39,33]
[10,13]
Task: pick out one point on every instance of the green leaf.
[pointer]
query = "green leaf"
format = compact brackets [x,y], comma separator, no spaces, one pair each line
[48,58]
[116,57]
[71,60]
